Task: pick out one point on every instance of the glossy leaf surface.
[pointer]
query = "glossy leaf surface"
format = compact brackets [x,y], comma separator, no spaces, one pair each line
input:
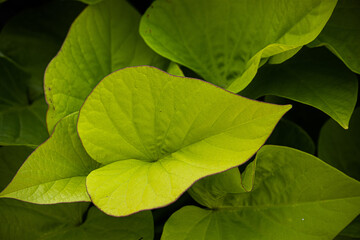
[224,41]
[104,38]
[158,133]
[295,196]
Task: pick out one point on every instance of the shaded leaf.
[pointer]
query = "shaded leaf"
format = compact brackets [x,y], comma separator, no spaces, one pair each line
[21,220]
[104,38]
[288,133]
[313,77]
[33,37]
[146,125]
[340,148]
[56,171]
[21,122]
[342,34]
[223,42]
[295,196]
[90,1]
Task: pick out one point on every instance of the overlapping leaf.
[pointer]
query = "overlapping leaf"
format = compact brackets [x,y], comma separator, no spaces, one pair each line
[313,77]
[21,122]
[224,41]
[104,38]
[56,171]
[294,196]
[288,133]
[33,37]
[158,133]
[340,148]
[21,220]
[342,34]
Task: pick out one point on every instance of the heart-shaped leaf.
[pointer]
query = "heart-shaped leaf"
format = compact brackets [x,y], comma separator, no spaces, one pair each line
[158,133]
[224,41]
[294,196]
[314,77]
[104,38]
[342,34]
[56,171]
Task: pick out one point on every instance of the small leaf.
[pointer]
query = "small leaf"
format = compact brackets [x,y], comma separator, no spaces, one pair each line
[158,133]
[295,196]
[56,171]
[104,38]
[21,122]
[342,34]
[223,41]
[312,77]
[288,133]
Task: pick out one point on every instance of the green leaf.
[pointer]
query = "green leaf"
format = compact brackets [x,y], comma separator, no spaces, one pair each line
[212,191]
[104,38]
[352,231]
[146,125]
[342,34]
[288,133]
[295,196]
[312,77]
[223,41]
[174,69]
[340,148]
[32,38]
[21,122]
[11,158]
[61,221]
[101,226]
[90,1]
[282,57]
[56,171]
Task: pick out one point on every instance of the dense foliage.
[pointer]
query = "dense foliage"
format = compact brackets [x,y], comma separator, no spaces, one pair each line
[107,131]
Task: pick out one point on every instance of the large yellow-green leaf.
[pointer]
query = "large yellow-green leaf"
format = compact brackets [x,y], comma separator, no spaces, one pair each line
[342,34]
[314,77]
[22,122]
[294,196]
[158,133]
[56,171]
[224,41]
[26,221]
[104,38]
